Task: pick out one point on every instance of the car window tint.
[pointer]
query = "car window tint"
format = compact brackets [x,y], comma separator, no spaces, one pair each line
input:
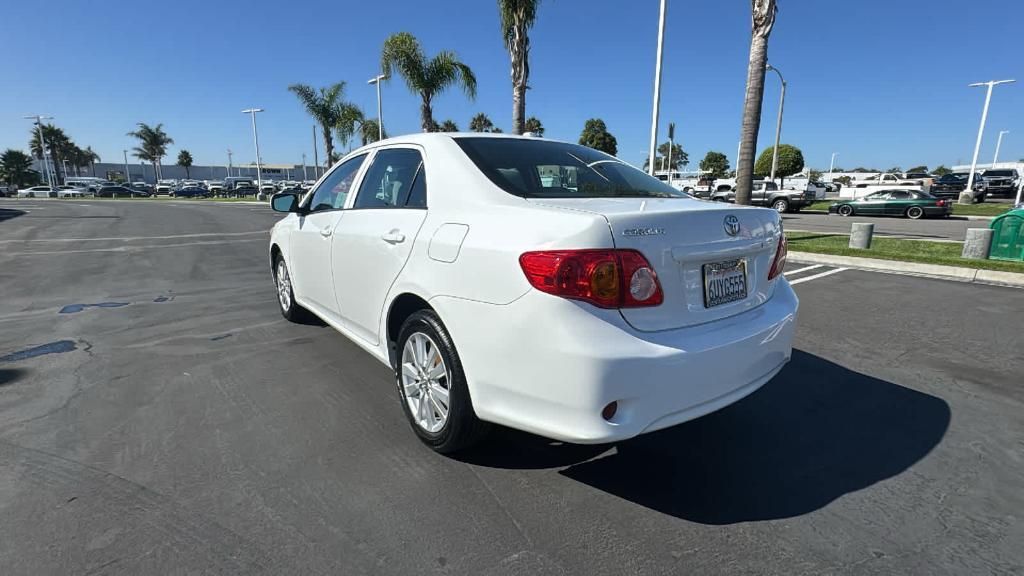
[332,192]
[899,195]
[389,179]
[418,193]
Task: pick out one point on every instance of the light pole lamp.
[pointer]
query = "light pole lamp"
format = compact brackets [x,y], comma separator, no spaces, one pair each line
[999,142]
[256,140]
[778,121]
[967,196]
[380,118]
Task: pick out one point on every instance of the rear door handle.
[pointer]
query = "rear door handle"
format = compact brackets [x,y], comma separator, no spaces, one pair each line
[393,237]
[325,232]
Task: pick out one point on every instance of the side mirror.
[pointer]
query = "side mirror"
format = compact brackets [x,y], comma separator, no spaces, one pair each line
[285,202]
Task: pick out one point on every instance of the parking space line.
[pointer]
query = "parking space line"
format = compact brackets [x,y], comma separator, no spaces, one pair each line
[804,269]
[816,276]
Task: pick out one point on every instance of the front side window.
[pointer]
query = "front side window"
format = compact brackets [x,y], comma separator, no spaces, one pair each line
[540,169]
[389,179]
[333,191]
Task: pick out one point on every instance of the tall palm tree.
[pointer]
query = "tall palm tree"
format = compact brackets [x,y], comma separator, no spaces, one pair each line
[185,161]
[16,168]
[534,126]
[91,158]
[481,123]
[763,18]
[517,17]
[369,131]
[59,146]
[426,77]
[448,126]
[324,105]
[347,118]
[153,143]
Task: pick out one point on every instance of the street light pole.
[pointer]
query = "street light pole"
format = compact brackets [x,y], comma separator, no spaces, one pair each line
[380,118]
[230,153]
[42,144]
[304,178]
[967,196]
[778,121]
[316,159]
[832,163]
[127,172]
[999,142]
[657,89]
[256,140]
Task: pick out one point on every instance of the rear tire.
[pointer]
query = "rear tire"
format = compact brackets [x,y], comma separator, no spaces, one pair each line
[780,205]
[845,210]
[431,381]
[915,212]
[290,309]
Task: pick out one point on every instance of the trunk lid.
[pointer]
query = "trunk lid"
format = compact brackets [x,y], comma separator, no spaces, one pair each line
[678,236]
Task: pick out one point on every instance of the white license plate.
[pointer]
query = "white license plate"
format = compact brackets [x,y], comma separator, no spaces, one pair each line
[725,282]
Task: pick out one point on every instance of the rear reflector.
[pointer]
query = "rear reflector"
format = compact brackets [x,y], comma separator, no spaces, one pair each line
[605,278]
[609,411]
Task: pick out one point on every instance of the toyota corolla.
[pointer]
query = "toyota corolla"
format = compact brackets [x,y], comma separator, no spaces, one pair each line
[536,284]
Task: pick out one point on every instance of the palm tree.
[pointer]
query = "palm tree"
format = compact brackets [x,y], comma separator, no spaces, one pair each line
[534,126]
[369,131]
[763,18]
[153,143]
[426,77]
[58,144]
[517,17]
[91,158]
[324,105]
[16,168]
[347,117]
[448,126]
[481,123]
[185,161]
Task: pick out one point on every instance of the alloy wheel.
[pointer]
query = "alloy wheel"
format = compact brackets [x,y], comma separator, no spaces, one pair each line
[426,384]
[284,286]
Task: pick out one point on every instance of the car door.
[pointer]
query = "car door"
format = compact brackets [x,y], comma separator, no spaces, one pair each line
[872,203]
[899,200]
[310,242]
[373,241]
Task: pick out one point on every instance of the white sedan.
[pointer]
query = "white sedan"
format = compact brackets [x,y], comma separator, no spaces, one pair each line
[536,284]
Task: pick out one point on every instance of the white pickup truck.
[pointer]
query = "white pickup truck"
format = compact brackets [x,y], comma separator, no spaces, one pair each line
[861,188]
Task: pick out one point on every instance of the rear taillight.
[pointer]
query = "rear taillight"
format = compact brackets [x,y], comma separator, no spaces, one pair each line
[940,203]
[605,278]
[779,263]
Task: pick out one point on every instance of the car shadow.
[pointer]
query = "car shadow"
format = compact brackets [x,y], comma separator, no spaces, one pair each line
[814,433]
[11,375]
[8,213]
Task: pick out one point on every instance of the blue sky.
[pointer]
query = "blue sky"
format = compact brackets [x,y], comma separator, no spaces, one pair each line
[881,83]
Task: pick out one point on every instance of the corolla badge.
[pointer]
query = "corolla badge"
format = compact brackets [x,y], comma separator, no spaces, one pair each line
[643,231]
[732,225]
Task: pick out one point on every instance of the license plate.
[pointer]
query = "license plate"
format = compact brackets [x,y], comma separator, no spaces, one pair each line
[725,282]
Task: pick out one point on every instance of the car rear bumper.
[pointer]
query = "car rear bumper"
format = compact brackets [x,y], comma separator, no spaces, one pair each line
[549,366]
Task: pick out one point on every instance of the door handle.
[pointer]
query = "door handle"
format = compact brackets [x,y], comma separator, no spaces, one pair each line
[325,232]
[393,237]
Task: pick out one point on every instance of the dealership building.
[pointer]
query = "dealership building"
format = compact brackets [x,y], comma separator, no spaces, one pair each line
[143,172]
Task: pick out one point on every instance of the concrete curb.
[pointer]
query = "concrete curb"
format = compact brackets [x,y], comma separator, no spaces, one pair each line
[957,273]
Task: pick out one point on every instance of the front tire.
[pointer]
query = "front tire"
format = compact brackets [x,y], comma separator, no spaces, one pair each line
[845,210]
[432,386]
[915,212]
[290,309]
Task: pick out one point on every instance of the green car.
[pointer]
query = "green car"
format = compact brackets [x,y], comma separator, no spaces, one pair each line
[909,203]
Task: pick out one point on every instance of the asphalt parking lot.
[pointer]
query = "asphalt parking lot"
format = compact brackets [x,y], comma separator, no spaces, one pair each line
[158,415]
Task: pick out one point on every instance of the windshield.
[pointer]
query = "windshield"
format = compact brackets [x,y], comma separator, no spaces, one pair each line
[999,173]
[543,169]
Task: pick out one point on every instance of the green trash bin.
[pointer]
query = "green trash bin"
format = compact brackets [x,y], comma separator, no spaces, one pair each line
[1008,236]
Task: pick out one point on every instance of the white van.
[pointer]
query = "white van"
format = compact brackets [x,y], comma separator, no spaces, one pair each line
[89,183]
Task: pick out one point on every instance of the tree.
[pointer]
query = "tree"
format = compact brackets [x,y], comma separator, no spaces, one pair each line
[517,17]
[941,171]
[892,170]
[762,20]
[715,164]
[369,131]
[921,168]
[185,161]
[791,161]
[448,126]
[679,157]
[426,77]
[59,146]
[90,158]
[153,143]
[347,117]
[534,126]
[325,105]
[844,180]
[595,135]
[814,175]
[481,123]
[497,130]
[16,168]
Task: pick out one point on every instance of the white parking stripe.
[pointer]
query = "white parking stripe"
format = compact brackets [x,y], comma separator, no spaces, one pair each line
[804,269]
[816,276]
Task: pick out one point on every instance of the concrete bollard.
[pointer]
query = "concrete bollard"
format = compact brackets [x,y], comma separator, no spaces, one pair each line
[977,243]
[860,235]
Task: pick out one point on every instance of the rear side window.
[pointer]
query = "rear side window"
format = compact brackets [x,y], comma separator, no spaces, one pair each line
[390,178]
[543,169]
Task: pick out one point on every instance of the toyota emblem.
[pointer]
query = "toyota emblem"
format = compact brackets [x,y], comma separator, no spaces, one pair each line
[732,225]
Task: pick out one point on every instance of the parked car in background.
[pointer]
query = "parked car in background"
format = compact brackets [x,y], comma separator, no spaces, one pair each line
[233,182]
[141,186]
[91,184]
[4,191]
[923,177]
[908,203]
[589,313]
[191,192]
[950,185]
[119,192]
[67,191]
[163,188]
[37,192]
[243,190]
[833,187]
[766,193]
[999,182]
[215,186]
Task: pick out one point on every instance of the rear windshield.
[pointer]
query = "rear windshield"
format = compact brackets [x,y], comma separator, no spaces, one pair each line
[1000,173]
[544,169]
